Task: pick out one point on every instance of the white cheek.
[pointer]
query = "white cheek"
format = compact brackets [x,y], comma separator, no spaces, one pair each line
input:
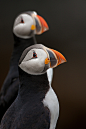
[32,66]
[23,29]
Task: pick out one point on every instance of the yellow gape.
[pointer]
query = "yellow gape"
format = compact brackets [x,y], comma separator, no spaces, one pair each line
[33,27]
[47,60]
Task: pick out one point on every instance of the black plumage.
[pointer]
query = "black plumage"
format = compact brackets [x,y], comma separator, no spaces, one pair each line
[10,86]
[36,105]
[28,111]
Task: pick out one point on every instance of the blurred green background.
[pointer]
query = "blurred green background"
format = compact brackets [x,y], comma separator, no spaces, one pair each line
[67,34]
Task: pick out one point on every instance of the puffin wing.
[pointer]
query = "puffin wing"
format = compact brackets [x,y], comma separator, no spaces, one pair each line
[44,120]
[9,91]
[24,119]
[40,119]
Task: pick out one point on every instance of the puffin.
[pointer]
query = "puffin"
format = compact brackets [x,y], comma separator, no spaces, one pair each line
[25,26]
[36,105]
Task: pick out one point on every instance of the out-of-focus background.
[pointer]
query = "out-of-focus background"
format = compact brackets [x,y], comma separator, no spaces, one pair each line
[67,34]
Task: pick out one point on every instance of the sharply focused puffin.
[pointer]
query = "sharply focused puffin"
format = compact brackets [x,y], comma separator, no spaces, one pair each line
[36,106]
[25,27]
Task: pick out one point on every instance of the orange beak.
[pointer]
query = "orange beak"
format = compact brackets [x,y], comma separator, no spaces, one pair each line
[40,23]
[43,23]
[56,58]
[61,59]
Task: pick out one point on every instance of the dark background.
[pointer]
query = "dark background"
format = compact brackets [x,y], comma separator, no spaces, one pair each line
[67,34]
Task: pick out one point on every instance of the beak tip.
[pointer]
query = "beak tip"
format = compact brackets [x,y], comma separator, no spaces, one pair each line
[46,29]
[64,61]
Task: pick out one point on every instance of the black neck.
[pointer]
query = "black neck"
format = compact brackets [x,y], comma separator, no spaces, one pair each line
[19,46]
[33,85]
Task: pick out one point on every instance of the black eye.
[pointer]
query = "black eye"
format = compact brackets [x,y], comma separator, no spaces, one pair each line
[22,21]
[34,55]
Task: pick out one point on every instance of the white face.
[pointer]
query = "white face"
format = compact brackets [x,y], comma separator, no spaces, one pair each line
[34,62]
[22,26]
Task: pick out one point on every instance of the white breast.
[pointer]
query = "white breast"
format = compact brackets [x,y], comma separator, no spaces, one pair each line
[50,75]
[51,101]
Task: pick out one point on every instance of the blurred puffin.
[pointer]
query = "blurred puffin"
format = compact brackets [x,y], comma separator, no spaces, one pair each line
[25,27]
[36,106]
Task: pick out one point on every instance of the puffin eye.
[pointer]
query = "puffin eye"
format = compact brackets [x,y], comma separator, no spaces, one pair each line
[34,55]
[22,21]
